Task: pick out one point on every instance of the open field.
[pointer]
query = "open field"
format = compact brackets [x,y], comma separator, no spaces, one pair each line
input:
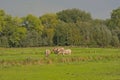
[83,64]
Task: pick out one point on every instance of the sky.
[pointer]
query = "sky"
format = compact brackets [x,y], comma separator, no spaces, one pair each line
[100,9]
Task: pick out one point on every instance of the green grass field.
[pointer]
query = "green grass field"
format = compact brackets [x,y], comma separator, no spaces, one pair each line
[83,64]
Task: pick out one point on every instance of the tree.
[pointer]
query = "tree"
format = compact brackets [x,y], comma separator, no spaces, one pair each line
[34,31]
[13,31]
[32,23]
[49,21]
[70,27]
[115,41]
[73,34]
[73,15]
[115,17]
[66,34]
[32,39]
[60,34]
[101,34]
[114,25]
[85,30]
[4,41]
[2,20]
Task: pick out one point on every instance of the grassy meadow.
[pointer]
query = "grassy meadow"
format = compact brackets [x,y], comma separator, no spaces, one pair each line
[83,64]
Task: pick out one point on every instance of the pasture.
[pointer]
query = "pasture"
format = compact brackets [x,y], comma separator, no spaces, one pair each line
[82,64]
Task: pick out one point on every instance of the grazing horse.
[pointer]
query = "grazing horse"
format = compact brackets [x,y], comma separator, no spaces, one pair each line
[55,50]
[67,51]
[47,52]
[58,50]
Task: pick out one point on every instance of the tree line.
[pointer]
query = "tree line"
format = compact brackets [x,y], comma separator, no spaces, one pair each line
[70,27]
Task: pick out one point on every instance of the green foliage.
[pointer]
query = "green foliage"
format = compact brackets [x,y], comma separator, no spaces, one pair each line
[102,35]
[114,25]
[115,41]
[2,20]
[48,35]
[17,36]
[32,39]
[73,15]
[67,34]
[85,31]
[70,27]
[32,23]
[4,41]
[115,17]
[49,20]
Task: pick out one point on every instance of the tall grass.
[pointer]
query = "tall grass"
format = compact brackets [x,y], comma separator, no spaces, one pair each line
[83,64]
[29,56]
